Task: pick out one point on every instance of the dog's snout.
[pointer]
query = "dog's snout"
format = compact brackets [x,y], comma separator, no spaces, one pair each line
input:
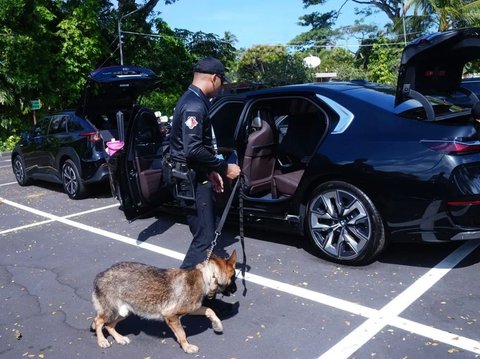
[230,288]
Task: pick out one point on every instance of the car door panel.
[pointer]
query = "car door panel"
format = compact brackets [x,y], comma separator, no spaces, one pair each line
[137,169]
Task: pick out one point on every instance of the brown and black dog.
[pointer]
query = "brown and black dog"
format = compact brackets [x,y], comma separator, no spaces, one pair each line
[160,294]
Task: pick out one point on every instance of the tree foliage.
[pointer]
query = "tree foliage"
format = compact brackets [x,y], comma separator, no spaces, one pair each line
[271,66]
[384,62]
[48,47]
[447,14]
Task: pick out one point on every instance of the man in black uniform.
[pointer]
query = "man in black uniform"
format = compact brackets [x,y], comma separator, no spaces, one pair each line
[191,145]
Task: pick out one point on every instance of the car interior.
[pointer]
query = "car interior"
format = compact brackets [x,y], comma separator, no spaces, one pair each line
[282,135]
[148,147]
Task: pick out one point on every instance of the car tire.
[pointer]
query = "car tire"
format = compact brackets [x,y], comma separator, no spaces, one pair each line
[343,224]
[72,183]
[18,166]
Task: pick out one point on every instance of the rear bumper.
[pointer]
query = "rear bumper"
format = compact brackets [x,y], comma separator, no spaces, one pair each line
[99,174]
[463,203]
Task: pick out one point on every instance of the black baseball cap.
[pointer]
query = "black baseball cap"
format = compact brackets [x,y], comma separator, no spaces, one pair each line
[211,65]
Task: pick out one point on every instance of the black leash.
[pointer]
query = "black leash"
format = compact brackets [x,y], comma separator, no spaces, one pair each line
[241,230]
[240,182]
[218,231]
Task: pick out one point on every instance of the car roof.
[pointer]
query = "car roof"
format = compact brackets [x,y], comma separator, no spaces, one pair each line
[365,92]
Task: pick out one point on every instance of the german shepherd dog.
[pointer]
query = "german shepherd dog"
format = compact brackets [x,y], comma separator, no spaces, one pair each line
[159,294]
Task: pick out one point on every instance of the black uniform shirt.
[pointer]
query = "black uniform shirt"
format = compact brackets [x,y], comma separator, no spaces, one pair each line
[191,134]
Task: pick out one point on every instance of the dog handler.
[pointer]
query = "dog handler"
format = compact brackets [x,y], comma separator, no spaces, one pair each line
[192,149]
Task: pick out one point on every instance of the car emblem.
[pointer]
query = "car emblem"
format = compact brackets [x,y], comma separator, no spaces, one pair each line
[191,122]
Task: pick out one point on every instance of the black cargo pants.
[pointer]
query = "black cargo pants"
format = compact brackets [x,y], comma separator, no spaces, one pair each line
[202,220]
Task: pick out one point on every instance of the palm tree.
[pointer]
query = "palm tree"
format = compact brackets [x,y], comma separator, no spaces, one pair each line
[449,13]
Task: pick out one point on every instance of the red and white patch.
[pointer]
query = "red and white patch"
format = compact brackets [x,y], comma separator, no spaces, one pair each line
[191,122]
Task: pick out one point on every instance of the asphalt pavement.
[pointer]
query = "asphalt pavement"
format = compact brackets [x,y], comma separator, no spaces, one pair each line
[416,301]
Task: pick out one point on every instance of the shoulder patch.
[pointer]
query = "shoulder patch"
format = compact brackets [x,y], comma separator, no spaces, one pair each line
[191,122]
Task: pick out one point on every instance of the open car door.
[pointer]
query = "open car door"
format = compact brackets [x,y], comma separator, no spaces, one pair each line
[136,170]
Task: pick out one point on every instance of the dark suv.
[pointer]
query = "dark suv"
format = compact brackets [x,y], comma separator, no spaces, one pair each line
[69,147]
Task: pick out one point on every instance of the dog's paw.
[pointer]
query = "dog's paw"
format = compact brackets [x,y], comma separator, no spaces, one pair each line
[190,348]
[217,326]
[103,343]
[122,340]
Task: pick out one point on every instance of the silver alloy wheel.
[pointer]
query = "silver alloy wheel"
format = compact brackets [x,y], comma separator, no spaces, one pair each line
[339,224]
[70,180]
[19,170]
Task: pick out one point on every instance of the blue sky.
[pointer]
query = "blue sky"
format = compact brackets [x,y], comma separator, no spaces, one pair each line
[253,22]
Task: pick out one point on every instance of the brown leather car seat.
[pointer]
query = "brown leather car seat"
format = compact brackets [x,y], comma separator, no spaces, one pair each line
[259,160]
[286,183]
[296,148]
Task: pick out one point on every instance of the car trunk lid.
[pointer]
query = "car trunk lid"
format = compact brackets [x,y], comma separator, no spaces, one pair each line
[114,88]
[433,65]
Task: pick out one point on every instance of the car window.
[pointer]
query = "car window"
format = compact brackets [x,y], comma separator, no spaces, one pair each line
[224,122]
[41,128]
[74,125]
[298,122]
[58,125]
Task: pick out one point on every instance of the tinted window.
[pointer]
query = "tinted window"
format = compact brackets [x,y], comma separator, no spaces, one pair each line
[74,125]
[41,128]
[224,122]
[58,125]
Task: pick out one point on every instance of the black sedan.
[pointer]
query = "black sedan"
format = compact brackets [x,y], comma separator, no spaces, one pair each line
[351,165]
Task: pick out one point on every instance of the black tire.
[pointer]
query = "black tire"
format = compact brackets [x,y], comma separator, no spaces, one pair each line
[72,183]
[18,166]
[343,224]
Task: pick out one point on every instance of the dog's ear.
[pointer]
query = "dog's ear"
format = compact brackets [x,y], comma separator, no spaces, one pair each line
[233,258]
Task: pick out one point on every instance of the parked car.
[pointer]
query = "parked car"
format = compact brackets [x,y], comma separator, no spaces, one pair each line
[352,165]
[68,147]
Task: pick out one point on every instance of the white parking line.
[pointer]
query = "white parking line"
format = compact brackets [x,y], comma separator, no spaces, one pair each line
[377,319]
[366,331]
[6,166]
[53,220]
[7,184]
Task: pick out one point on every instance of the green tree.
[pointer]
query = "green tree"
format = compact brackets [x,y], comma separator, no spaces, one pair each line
[201,44]
[82,47]
[48,48]
[342,62]
[384,62]
[272,66]
[448,14]
[320,28]
[173,64]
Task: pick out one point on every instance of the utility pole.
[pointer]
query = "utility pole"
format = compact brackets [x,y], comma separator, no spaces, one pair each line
[119,28]
[403,20]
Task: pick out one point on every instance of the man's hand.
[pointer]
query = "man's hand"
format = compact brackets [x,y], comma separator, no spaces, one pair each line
[233,171]
[217,181]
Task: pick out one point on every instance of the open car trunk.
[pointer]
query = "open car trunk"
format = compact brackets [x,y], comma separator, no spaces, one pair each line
[111,90]
[433,66]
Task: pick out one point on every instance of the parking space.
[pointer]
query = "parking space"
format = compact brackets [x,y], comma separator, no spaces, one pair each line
[416,301]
